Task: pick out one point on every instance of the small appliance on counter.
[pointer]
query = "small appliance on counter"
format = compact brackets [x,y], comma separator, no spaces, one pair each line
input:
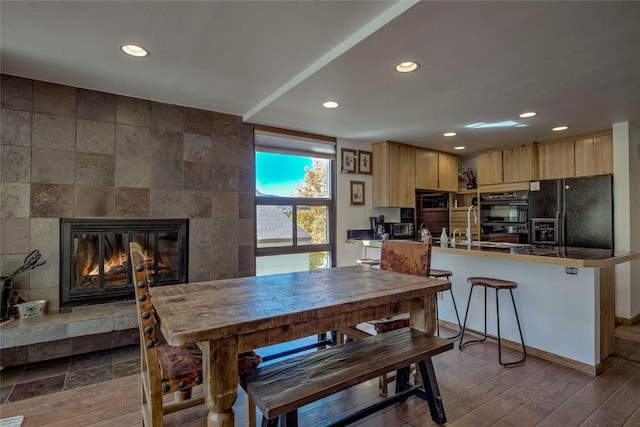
[377,226]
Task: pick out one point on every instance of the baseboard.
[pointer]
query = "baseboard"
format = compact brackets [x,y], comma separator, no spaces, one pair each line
[551,357]
[628,321]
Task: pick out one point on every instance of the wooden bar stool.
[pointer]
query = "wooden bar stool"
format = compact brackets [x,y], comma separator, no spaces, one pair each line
[497,284]
[438,274]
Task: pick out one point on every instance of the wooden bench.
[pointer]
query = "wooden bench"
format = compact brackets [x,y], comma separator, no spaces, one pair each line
[279,389]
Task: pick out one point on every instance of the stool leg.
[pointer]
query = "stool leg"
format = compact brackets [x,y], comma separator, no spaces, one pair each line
[484,337]
[437,318]
[466,315]
[524,349]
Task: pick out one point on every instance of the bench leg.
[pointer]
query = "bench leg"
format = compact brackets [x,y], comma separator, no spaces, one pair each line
[402,379]
[269,423]
[432,391]
[290,419]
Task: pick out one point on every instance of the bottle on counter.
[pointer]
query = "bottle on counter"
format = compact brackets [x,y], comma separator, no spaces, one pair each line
[444,237]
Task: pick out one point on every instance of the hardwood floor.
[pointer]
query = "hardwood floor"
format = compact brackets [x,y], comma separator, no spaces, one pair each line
[476,391]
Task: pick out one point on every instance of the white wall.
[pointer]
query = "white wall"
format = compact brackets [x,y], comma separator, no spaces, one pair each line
[626,166]
[355,217]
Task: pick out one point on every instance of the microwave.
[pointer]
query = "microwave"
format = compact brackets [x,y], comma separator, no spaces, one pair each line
[401,230]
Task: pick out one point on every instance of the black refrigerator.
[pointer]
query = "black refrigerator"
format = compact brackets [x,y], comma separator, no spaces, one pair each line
[572,212]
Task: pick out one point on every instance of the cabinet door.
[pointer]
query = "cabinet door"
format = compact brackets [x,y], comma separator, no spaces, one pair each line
[594,156]
[447,172]
[426,169]
[556,160]
[604,154]
[394,175]
[584,156]
[402,176]
[517,164]
[490,167]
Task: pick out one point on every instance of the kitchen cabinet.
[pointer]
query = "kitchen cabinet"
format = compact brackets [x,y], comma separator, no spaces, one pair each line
[508,165]
[584,156]
[394,175]
[556,160]
[436,171]
[594,156]
[520,163]
[490,167]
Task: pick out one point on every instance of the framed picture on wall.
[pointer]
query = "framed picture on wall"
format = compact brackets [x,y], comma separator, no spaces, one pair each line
[349,160]
[357,193]
[364,162]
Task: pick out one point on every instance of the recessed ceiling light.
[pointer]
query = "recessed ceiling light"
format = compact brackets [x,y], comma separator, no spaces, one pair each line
[450,134]
[407,67]
[460,147]
[134,50]
[330,104]
[528,114]
[559,128]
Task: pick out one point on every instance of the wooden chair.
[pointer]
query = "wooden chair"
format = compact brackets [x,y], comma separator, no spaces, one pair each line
[401,257]
[166,369]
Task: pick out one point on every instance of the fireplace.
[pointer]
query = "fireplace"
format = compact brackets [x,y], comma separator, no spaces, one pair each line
[94,257]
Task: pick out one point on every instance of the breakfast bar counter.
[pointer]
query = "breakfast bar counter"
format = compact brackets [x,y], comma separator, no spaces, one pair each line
[565,296]
[540,254]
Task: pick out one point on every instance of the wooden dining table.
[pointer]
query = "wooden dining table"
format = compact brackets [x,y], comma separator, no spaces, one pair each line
[231,316]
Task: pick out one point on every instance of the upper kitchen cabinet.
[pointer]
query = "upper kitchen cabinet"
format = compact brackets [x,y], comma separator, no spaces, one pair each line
[520,163]
[594,156]
[584,156]
[556,160]
[394,175]
[507,165]
[490,167]
[436,171]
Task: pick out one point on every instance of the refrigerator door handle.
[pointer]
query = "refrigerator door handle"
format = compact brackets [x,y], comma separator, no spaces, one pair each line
[563,227]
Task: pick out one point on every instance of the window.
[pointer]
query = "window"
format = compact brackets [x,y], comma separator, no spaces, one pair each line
[294,204]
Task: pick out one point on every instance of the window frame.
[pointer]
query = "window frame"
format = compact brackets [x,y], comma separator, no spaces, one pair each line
[295,202]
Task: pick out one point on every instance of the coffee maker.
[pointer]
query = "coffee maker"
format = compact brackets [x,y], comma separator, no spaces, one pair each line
[377,226]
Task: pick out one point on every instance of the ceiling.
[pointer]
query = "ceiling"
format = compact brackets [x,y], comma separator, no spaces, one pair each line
[274,63]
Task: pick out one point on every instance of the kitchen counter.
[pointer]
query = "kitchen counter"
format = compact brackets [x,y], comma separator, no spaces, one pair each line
[544,254]
[565,296]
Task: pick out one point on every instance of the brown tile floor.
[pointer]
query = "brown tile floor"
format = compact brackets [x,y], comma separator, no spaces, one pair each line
[27,381]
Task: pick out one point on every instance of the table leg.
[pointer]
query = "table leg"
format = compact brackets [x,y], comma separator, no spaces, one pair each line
[220,370]
[425,319]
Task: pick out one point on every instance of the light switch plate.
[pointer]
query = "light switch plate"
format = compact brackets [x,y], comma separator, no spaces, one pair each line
[571,270]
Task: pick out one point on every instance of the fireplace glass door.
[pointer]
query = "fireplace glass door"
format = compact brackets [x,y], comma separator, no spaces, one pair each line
[95,259]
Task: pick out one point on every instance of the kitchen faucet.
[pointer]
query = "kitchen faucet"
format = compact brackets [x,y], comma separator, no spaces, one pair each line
[453,239]
[475,219]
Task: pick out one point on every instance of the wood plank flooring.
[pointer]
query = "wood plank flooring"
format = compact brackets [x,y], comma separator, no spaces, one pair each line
[476,392]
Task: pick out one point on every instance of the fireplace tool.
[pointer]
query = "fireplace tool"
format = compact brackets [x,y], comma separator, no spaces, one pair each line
[10,297]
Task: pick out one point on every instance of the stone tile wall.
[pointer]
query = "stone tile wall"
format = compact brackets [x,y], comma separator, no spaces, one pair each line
[75,153]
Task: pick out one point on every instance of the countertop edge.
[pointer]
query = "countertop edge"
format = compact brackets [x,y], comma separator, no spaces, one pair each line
[478,252]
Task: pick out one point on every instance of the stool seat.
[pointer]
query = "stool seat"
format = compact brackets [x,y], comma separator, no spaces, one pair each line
[368,261]
[492,283]
[440,273]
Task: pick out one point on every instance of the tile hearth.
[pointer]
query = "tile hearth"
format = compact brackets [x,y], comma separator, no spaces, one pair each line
[82,330]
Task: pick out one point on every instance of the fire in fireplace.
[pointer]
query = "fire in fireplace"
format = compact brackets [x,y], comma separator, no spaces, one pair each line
[94,257]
